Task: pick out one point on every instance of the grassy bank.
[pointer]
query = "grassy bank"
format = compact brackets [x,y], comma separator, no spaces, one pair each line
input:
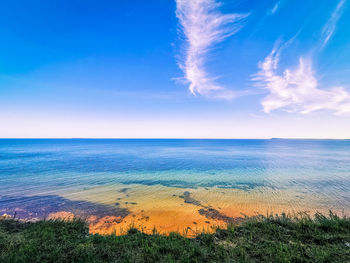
[261,239]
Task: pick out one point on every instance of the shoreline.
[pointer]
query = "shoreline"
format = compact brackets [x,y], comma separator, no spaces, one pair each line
[113,208]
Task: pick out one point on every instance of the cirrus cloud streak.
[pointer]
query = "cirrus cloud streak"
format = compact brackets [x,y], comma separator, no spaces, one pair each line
[204,26]
[330,26]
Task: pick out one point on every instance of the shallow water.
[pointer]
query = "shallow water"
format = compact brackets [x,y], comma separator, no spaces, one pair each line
[181,185]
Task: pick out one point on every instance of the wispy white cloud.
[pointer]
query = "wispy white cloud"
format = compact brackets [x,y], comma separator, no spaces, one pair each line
[330,26]
[204,26]
[297,90]
[275,8]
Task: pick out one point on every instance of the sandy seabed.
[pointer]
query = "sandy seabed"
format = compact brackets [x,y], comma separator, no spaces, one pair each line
[189,211]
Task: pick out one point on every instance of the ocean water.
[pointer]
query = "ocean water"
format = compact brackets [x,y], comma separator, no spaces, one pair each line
[85,177]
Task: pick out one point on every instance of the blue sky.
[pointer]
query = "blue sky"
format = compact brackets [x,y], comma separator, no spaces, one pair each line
[180,68]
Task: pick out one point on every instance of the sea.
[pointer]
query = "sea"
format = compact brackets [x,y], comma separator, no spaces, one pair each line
[184,185]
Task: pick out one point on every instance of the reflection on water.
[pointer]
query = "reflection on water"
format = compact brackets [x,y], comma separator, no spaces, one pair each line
[173,185]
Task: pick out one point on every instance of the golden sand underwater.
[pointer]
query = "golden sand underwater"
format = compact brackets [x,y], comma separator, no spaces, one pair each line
[188,211]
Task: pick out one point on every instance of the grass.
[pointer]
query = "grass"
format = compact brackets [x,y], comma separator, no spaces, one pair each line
[260,239]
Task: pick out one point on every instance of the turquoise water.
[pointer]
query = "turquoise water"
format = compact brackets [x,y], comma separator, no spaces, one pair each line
[44,167]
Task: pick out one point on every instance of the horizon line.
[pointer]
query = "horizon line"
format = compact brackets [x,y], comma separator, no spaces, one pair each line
[166,138]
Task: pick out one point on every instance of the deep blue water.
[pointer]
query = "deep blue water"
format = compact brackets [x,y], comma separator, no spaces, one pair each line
[42,166]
